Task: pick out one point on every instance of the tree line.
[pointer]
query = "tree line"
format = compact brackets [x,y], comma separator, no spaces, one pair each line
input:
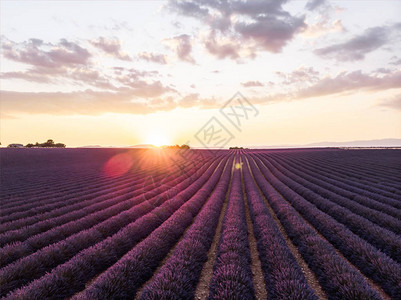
[49,144]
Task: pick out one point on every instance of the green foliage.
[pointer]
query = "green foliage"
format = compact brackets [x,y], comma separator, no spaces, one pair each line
[49,144]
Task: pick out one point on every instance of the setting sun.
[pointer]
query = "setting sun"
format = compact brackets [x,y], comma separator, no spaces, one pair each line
[157,139]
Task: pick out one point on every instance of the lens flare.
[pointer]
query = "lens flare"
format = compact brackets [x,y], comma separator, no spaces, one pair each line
[118,165]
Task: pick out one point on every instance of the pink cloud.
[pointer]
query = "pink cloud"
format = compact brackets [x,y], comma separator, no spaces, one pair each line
[351,81]
[111,46]
[301,75]
[252,84]
[394,102]
[153,57]
[46,55]
[222,49]
[360,45]
[258,25]
[28,76]
[182,46]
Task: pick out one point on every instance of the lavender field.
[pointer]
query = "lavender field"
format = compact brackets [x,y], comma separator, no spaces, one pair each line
[198,224]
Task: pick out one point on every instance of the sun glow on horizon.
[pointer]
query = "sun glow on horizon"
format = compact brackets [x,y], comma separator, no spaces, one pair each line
[157,139]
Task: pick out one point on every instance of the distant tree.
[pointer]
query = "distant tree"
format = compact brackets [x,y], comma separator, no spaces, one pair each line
[184,146]
[236,148]
[48,144]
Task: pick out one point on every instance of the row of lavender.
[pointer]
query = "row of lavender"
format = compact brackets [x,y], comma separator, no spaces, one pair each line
[29,172]
[153,241]
[358,187]
[70,179]
[338,278]
[89,198]
[67,186]
[178,277]
[283,277]
[359,168]
[110,209]
[339,227]
[125,277]
[60,206]
[232,275]
[50,205]
[35,265]
[359,219]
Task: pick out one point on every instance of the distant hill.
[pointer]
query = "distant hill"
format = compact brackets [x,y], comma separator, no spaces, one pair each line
[360,143]
[142,146]
[91,146]
[134,146]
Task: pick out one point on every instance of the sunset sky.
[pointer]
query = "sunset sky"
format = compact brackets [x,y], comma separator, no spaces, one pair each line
[135,72]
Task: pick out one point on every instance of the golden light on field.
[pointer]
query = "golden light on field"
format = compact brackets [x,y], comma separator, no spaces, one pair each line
[238,165]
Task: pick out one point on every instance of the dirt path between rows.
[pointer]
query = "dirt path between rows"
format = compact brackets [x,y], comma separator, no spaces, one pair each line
[171,252]
[256,266]
[375,286]
[202,289]
[309,275]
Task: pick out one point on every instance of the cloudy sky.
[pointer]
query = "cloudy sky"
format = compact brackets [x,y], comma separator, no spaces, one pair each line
[133,72]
